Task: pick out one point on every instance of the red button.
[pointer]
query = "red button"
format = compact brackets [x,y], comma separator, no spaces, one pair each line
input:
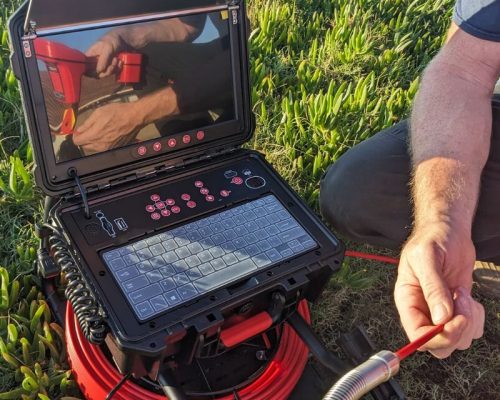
[157,147]
[237,181]
[155,198]
[165,213]
[210,198]
[160,206]
[150,209]
[204,191]
[172,143]
[186,197]
[200,135]
[199,184]
[142,150]
[186,139]
[176,210]
[155,216]
[170,202]
[191,204]
[225,193]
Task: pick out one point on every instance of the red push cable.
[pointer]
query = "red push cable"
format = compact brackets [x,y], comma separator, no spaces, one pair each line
[412,347]
[374,257]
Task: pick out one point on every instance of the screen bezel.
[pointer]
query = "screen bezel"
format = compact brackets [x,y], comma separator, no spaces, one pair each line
[57,176]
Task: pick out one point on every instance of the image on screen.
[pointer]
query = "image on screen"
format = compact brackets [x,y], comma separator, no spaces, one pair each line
[113,87]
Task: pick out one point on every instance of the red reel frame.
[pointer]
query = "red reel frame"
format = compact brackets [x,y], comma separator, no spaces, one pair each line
[96,375]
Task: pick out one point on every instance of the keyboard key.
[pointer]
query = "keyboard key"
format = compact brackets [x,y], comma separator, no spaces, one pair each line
[180,266]
[182,252]
[145,293]
[117,264]
[144,267]
[205,256]
[159,303]
[167,271]
[218,264]
[140,245]
[217,252]
[154,276]
[195,248]
[157,262]
[206,269]
[187,291]
[144,310]
[182,241]
[274,255]
[193,261]
[194,273]
[127,273]
[173,298]
[181,279]
[157,249]
[262,260]
[229,274]
[167,284]
[230,259]
[111,255]
[153,240]
[292,234]
[170,245]
[126,250]
[136,283]
[144,254]
[131,259]
[170,257]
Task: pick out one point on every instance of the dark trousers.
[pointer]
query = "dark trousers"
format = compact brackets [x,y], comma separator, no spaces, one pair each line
[365,195]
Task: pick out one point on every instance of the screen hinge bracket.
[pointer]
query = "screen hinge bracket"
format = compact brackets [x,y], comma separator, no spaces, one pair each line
[73,173]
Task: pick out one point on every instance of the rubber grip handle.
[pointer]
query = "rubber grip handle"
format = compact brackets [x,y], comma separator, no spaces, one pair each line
[243,331]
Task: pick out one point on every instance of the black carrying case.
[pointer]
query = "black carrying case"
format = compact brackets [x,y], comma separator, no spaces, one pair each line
[193,330]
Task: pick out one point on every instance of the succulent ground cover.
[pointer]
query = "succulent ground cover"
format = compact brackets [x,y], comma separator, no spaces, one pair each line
[326,75]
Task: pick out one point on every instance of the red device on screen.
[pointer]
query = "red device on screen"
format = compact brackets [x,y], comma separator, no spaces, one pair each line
[66,66]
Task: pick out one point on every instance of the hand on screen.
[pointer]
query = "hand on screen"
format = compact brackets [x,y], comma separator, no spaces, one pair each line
[107,125]
[106,51]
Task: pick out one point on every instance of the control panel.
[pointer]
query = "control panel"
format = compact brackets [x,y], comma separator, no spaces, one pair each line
[141,213]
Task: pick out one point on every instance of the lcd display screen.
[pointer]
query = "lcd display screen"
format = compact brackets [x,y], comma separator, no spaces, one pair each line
[109,88]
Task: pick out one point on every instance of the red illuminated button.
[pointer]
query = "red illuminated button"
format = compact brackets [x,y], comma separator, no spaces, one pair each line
[150,209]
[191,204]
[199,184]
[176,209]
[142,150]
[155,198]
[210,198]
[225,193]
[186,197]
[237,180]
[165,213]
[155,216]
[200,135]
[186,139]
[170,202]
[204,191]
[172,143]
[160,206]
[157,147]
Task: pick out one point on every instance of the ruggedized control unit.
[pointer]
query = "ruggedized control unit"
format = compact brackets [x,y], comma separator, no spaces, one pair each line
[175,244]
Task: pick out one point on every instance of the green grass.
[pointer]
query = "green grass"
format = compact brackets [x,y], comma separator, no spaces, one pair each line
[326,75]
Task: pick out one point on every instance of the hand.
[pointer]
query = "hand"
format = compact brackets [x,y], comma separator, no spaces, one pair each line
[433,287]
[106,125]
[105,50]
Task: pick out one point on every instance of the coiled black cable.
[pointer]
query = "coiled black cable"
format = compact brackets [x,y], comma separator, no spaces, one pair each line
[83,302]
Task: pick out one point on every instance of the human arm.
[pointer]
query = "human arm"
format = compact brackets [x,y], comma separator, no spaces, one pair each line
[139,36]
[450,140]
[112,122]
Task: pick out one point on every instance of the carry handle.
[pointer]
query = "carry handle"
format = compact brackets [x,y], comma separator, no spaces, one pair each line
[245,330]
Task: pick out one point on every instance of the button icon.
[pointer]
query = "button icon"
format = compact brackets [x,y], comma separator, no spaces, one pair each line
[210,198]
[237,180]
[155,216]
[165,213]
[186,139]
[230,174]
[142,151]
[157,147]
[160,206]
[199,184]
[150,209]
[176,209]
[225,193]
[170,202]
[186,197]
[191,204]
[172,143]
[200,135]
[204,191]
[155,198]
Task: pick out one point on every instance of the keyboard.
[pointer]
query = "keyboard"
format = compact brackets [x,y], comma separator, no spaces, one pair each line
[171,268]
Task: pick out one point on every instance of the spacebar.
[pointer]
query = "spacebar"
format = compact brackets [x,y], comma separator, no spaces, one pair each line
[225,275]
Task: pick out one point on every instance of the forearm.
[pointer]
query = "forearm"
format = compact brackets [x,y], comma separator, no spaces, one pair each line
[158,105]
[450,139]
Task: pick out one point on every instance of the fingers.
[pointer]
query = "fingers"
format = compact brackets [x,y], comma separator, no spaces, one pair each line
[434,288]
[110,69]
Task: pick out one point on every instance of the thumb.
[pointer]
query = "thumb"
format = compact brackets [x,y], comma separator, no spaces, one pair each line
[436,291]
